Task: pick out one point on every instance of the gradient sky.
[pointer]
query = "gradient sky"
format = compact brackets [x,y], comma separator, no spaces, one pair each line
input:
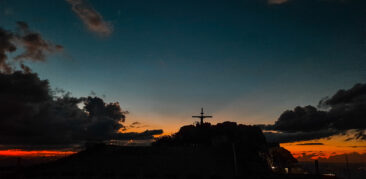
[245,61]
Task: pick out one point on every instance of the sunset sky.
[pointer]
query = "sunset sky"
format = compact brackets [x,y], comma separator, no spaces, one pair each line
[246,61]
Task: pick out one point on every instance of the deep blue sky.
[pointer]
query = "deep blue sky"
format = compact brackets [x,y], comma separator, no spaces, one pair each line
[245,61]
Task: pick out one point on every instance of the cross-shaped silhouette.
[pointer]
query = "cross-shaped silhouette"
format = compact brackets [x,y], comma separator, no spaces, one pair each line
[202,116]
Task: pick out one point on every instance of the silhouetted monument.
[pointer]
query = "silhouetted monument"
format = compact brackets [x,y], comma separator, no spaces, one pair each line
[202,116]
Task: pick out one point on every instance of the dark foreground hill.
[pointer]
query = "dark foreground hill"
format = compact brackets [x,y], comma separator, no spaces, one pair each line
[225,150]
[149,162]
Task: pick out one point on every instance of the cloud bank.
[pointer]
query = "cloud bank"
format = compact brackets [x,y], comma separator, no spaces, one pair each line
[31,116]
[90,17]
[344,111]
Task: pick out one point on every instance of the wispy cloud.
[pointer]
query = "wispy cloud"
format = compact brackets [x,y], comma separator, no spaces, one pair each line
[311,144]
[90,17]
[277,1]
[35,47]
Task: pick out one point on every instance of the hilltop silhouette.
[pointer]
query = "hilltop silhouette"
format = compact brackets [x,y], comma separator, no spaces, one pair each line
[224,150]
[215,135]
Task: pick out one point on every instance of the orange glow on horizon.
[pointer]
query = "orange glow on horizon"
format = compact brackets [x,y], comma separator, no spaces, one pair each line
[325,148]
[34,153]
[330,148]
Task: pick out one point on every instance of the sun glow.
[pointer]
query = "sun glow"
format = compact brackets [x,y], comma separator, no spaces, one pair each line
[34,153]
[325,148]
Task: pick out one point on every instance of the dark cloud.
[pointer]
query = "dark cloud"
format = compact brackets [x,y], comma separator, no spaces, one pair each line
[344,111]
[6,46]
[357,146]
[348,108]
[277,1]
[134,125]
[35,48]
[283,137]
[137,125]
[311,144]
[361,135]
[32,117]
[25,68]
[307,157]
[148,134]
[90,17]
[357,94]
[302,119]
